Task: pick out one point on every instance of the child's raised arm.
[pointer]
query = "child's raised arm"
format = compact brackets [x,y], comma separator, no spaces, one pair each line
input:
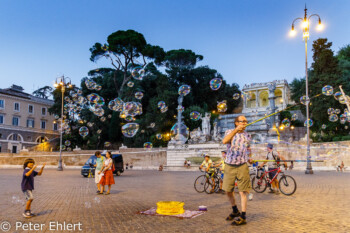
[31,170]
[41,170]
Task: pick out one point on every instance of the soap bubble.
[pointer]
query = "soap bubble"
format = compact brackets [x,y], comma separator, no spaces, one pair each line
[333,118]
[337,95]
[286,122]
[184,90]
[310,123]
[97,200]
[103,119]
[97,110]
[164,109]
[130,84]
[96,99]
[56,117]
[195,116]
[132,108]
[324,126]
[136,74]
[87,204]
[63,147]
[130,129]
[159,136]
[81,100]
[104,47]
[330,111]
[107,144]
[180,108]
[152,125]
[327,90]
[90,124]
[130,118]
[181,134]
[99,131]
[83,131]
[139,95]
[109,116]
[222,106]
[142,131]
[147,145]
[294,117]
[337,111]
[314,134]
[69,149]
[236,96]
[98,87]
[161,104]
[346,127]
[215,83]
[67,143]
[304,100]
[245,95]
[89,84]
[119,104]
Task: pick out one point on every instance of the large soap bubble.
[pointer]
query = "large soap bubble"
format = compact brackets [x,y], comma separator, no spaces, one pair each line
[184,90]
[286,122]
[337,95]
[327,90]
[130,84]
[215,83]
[67,143]
[139,95]
[136,72]
[222,106]
[161,104]
[236,96]
[83,131]
[324,126]
[343,100]
[333,118]
[159,136]
[129,130]
[310,123]
[195,116]
[147,145]
[180,133]
[304,100]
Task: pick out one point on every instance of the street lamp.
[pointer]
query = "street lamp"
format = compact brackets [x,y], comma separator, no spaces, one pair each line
[62,83]
[306,25]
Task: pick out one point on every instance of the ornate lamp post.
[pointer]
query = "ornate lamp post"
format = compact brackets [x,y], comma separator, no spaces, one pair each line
[306,25]
[62,83]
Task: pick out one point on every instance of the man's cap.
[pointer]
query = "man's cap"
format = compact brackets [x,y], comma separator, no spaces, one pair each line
[270,146]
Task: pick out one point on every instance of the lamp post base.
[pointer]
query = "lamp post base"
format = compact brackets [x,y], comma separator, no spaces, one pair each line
[60,168]
[309,171]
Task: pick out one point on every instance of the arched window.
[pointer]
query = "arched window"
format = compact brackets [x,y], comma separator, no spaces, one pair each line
[251,102]
[264,99]
[278,97]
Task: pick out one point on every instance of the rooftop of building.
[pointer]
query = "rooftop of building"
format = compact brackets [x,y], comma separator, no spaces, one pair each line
[18,91]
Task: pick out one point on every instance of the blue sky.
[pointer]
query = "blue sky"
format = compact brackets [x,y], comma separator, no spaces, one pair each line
[246,41]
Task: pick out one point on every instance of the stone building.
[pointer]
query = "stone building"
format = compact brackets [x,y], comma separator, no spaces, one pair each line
[24,120]
[260,100]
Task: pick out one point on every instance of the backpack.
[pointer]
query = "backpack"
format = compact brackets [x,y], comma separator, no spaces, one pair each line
[277,160]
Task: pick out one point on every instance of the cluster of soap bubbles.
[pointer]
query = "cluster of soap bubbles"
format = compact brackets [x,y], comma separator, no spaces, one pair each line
[92,85]
[162,106]
[222,106]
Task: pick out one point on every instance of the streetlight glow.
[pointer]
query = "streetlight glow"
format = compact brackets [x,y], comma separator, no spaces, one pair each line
[305,24]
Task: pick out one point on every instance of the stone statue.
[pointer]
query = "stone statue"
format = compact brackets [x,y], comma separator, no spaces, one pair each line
[206,124]
[215,130]
[272,88]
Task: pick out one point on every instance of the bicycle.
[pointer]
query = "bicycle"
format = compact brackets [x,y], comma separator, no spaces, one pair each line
[204,183]
[287,184]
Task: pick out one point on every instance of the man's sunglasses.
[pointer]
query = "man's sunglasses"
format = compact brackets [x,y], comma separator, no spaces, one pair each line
[242,121]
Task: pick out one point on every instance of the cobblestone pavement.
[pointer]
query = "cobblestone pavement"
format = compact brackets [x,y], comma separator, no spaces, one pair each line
[320,204]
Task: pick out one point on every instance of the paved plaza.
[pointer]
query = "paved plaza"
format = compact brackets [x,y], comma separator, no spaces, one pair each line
[320,204]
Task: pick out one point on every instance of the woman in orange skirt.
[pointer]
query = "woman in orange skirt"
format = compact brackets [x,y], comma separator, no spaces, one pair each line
[107,169]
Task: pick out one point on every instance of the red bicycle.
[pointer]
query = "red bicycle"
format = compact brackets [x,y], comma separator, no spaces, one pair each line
[287,184]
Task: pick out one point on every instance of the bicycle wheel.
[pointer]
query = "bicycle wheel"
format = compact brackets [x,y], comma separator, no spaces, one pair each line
[209,186]
[287,185]
[217,184]
[199,183]
[259,185]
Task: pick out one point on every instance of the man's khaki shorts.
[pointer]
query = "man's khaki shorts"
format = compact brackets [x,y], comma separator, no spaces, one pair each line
[239,173]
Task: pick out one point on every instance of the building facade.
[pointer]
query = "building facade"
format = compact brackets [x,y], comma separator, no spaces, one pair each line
[24,120]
